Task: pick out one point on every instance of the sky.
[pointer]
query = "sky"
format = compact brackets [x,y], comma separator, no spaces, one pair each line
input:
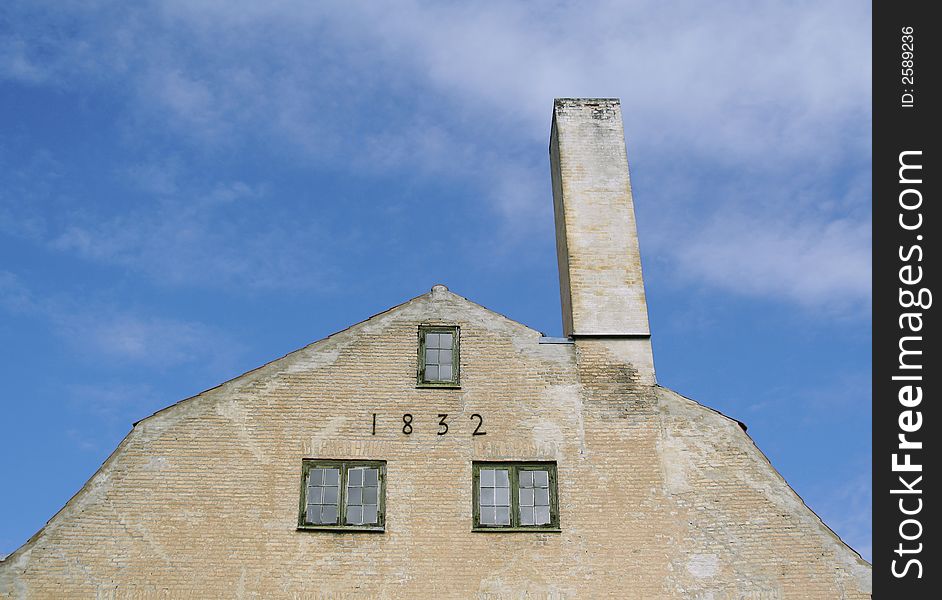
[190,189]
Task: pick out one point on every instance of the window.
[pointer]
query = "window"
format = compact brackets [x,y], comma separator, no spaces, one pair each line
[438,356]
[343,495]
[515,496]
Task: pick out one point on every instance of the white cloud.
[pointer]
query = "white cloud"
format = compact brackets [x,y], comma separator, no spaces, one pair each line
[766,90]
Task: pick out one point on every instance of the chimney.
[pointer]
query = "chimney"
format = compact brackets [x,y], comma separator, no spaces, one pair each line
[601,287]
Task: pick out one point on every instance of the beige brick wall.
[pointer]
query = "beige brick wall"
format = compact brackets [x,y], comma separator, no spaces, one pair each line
[659,497]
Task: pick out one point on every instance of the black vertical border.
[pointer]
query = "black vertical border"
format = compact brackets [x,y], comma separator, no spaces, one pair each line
[898,128]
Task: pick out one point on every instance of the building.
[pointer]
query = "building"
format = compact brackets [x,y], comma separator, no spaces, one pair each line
[441,450]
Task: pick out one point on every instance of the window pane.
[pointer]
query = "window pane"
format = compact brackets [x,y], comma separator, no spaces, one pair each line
[315,494]
[370,476]
[526,497]
[315,477]
[502,515]
[540,479]
[541,515]
[444,357]
[542,497]
[354,496]
[502,478]
[444,373]
[526,515]
[431,372]
[431,340]
[369,513]
[329,515]
[431,356]
[502,497]
[355,477]
[369,495]
[487,477]
[487,496]
[487,516]
[444,341]
[331,476]
[526,479]
[354,515]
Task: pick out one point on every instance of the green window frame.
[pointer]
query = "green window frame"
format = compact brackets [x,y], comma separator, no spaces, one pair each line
[434,368]
[522,507]
[341,495]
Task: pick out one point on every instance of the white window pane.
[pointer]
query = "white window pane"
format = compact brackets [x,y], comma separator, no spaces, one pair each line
[330,495]
[487,496]
[313,513]
[355,477]
[444,357]
[542,497]
[315,494]
[370,476]
[444,341]
[526,515]
[431,340]
[331,476]
[329,515]
[369,495]
[354,496]
[502,515]
[526,479]
[431,356]
[444,373]
[526,497]
[369,513]
[431,372]
[540,479]
[354,515]
[502,478]
[502,497]
[487,477]
[541,515]
[487,516]
[315,477]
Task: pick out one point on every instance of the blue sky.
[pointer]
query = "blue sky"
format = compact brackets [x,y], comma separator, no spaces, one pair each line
[189,189]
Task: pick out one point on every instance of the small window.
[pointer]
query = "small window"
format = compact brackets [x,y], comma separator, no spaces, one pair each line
[438,356]
[343,495]
[515,496]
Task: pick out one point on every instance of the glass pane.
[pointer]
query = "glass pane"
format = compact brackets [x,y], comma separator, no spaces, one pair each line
[526,515]
[502,478]
[502,515]
[487,516]
[331,476]
[354,496]
[329,515]
[487,496]
[541,515]
[526,497]
[444,373]
[487,477]
[526,479]
[369,513]
[502,497]
[315,477]
[542,497]
[431,340]
[312,513]
[354,515]
[431,372]
[444,341]
[540,479]
[314,495]
[330,495]
[370,476]
[431,357]
[369,495]
[355,477]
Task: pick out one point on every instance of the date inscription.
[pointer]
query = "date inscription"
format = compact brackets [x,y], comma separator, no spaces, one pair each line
[409,424]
